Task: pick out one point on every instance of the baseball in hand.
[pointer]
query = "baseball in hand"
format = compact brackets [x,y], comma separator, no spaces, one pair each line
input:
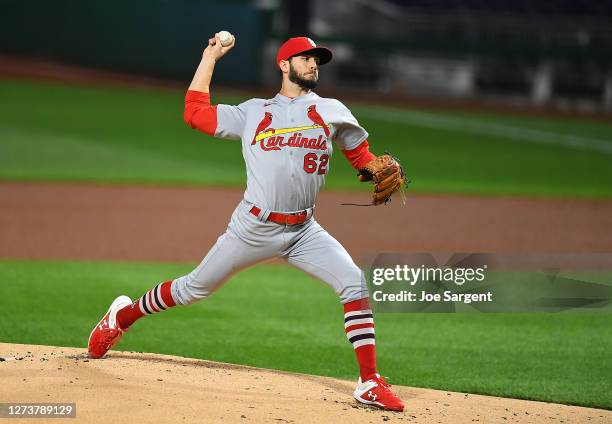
[226,38]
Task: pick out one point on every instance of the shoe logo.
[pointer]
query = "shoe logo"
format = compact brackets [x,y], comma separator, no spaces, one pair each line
[371,395]
[101,326]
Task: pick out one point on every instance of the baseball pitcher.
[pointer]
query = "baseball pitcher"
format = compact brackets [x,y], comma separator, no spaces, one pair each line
[287,142]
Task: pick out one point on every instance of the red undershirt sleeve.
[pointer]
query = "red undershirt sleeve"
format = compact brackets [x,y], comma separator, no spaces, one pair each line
[359,156]
[199,114]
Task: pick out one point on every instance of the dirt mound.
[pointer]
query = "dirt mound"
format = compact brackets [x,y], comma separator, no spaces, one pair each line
[144,387]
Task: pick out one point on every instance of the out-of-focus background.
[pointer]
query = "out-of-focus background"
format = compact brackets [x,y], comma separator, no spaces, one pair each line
[500,112]
[476,97]
[554,54]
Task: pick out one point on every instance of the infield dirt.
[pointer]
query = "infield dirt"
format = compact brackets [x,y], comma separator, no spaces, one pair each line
[105,222]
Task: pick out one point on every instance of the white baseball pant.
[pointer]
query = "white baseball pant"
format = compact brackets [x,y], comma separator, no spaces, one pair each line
[248,241]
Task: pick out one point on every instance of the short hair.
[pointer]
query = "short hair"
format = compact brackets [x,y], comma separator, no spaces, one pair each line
[280,71]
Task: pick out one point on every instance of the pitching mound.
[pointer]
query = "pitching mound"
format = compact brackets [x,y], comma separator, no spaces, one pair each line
[145,387]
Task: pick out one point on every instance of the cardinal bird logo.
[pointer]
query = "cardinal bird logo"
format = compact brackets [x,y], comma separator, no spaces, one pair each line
[316,118]
[265,123]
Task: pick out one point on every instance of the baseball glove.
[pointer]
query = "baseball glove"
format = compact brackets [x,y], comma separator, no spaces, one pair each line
[387,175]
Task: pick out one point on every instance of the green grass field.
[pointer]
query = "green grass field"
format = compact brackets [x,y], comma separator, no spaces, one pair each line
[277,317]
[56,132]
[274,316]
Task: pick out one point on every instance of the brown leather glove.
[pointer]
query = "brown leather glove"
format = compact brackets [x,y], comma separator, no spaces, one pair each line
[387,175]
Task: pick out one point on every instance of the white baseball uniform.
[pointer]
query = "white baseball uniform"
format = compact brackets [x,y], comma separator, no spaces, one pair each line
[287,146]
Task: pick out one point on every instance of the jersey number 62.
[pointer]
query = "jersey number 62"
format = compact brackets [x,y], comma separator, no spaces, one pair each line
[312,162]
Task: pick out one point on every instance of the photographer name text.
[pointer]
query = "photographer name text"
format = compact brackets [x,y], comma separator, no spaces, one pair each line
[434,276]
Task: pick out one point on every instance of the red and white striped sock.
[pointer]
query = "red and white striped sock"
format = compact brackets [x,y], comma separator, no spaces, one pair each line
[359,328]
[158,299]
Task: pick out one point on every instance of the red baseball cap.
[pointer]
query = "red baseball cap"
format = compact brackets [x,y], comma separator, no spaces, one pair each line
[297,45]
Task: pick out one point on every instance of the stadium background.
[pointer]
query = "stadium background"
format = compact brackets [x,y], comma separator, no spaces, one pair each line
[503,105]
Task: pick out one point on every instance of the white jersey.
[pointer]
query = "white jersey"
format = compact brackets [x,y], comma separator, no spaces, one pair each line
[287,146]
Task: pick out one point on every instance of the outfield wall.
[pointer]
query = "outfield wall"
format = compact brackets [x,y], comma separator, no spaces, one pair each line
[152,37]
